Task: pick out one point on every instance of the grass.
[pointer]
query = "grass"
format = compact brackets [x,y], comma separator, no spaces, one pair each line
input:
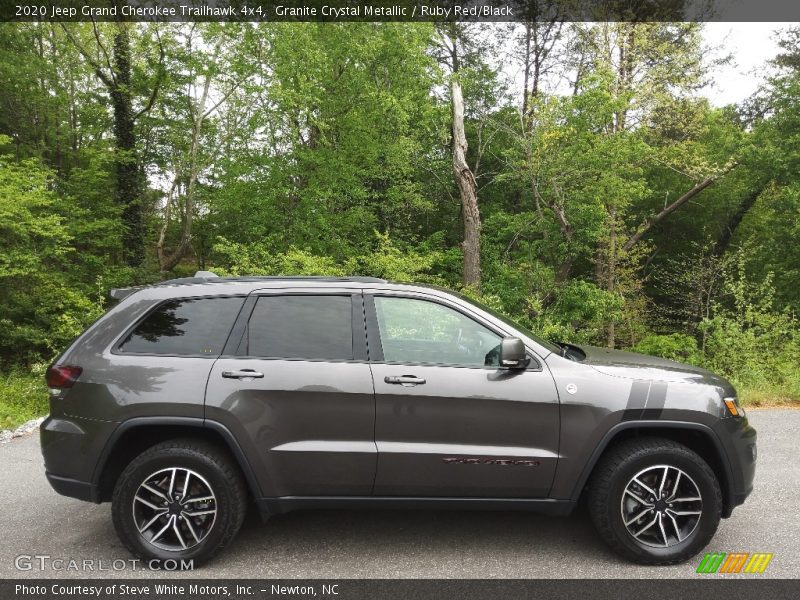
[23,396]
[768,397]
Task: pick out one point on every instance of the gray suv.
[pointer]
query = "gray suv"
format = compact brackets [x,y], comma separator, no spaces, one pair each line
[189,399]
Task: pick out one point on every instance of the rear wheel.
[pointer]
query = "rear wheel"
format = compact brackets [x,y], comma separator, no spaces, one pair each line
[655,501]
[182,500]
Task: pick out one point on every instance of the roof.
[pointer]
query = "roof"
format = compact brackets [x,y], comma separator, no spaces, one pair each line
[207,277]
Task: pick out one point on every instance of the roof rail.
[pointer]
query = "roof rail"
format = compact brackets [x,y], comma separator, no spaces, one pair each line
[199,277]
[332,278]
[210,277]
[120,293]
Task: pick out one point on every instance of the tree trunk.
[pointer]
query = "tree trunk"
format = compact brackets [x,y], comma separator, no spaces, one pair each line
[170,262]
[724,239]
[527,69]
[611,271]
[162,235]
[130,182]
[468,190]
[649,224]
[128,185]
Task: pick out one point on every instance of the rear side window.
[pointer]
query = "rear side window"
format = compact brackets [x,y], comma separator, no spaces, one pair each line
[185,327]
[311,327]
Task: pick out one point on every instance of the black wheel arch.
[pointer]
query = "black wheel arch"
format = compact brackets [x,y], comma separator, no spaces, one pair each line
[696,436]
[135,435]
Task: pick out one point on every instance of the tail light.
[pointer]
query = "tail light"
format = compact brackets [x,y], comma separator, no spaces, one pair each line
[62,376]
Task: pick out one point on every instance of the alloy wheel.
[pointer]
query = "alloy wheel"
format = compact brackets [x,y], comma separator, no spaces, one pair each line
[661,506]
[174,509]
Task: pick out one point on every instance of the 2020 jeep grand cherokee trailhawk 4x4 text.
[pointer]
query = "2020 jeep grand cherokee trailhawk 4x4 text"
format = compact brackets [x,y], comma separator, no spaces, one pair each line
[191,397]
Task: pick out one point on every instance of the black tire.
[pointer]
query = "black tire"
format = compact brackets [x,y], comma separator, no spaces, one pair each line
[215,469]
[617,468]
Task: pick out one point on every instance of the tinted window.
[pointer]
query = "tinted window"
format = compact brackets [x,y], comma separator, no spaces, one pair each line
[426,332]
[302,327]
[185,327]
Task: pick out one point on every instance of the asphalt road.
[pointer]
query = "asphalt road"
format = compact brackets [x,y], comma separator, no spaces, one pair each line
[34,520]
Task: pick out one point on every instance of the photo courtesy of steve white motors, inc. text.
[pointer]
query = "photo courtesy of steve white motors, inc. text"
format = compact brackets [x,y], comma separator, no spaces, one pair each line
[192,590]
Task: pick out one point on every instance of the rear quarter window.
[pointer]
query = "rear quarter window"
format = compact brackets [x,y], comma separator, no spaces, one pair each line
[185,327]
[305,327]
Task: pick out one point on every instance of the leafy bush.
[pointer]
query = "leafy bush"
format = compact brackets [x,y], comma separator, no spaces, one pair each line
[747,340]
[580,313]
[677,346]
[388,260]
[23,396]
[42,309]
[759,352]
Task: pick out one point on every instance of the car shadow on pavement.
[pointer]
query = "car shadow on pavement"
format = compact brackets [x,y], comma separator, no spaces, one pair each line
[397,543]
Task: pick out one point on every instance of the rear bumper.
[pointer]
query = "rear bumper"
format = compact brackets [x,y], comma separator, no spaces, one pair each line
[71,448]
[82,490]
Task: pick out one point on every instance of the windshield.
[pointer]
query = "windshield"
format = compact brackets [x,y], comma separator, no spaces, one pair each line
[549,345]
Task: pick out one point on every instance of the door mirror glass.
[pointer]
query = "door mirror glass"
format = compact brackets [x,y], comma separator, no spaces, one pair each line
[512,354]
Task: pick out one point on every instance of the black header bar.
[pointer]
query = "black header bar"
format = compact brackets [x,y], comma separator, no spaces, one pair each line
[711,588]
[399,10]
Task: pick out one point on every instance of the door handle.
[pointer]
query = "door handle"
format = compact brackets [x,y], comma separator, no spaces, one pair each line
[243,374]
[404,380]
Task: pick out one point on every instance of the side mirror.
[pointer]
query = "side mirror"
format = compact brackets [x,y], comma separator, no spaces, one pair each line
[512,354]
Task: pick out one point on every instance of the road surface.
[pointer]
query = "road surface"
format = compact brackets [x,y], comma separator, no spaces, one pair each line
[34,520]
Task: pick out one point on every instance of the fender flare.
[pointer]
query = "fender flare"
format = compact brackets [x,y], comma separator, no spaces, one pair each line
[727,485]
[188,422]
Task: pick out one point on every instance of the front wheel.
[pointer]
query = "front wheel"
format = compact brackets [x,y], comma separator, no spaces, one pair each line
[182,500]
[655,501]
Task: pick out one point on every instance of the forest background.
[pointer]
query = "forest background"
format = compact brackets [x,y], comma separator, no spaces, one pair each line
[596,196]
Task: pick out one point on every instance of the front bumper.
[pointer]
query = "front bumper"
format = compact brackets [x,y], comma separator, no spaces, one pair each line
[738,438]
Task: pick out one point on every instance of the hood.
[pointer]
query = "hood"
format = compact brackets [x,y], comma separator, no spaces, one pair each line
[631,365]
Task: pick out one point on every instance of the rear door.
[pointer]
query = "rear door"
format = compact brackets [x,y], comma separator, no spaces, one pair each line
[449,421]
[295,388]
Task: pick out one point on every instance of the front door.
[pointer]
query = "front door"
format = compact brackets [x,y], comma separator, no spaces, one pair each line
[298,393]
[449,421]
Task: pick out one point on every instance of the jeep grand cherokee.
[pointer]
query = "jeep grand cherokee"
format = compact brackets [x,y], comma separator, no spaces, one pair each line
[190,398]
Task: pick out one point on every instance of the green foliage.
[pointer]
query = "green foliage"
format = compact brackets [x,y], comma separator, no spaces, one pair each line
[757,347]
[23,396]
[324,149]
[743,339]
[257,259]
[387,261]
[584,308]
[36,250]
[675,346]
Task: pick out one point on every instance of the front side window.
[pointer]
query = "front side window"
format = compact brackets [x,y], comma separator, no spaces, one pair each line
[185,327]
[419,331]
[309,327]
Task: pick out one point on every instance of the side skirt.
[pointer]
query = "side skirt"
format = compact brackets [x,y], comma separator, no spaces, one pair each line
[279,505]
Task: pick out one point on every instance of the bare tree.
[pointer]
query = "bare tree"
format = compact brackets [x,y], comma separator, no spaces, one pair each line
[457,48]
[536,46]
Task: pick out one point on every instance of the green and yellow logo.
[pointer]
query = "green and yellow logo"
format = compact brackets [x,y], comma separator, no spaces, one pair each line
[735,562]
